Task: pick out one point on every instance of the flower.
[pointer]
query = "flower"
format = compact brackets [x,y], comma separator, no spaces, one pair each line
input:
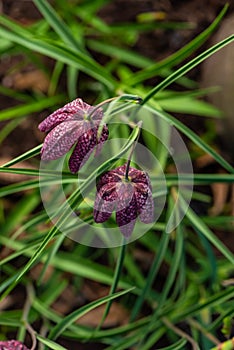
[72,125]
[12,345]
[130,198]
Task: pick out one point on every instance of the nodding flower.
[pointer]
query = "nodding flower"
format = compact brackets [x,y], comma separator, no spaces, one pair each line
[76,124]
[130,196]
[12,345]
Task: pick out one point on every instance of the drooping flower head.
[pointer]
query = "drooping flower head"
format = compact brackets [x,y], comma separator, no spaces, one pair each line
[130,197]
[72,125]
[12,345]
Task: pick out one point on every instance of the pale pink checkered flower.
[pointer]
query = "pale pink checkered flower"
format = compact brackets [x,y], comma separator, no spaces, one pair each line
[12,345]
[130,198]
[71,126]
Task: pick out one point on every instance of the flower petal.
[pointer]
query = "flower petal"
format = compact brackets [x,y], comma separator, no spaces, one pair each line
[82,151]
[138,176]
[85,145]
[97,115]
[102,209]
[105,202]
[102,139]
[141,192]
[12,345]
[125,192]
[108,177]
[76,107]
[59,140]
[147,211]
[126,217]
[120,170]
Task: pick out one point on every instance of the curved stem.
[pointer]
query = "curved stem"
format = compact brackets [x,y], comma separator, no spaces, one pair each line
[132,150]
[27,307]
[125,97]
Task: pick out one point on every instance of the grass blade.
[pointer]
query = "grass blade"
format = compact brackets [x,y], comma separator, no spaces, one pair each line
[58,24]
[50,343]
[30,107]
[203,228]
[60,53]
[151,275]
[193,137]
[27,155]
[117,273]
[180,55]
[187,67]
[68,320]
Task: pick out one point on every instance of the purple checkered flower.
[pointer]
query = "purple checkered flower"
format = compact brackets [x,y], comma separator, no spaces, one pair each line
[12,345]
[70,126]
[130,197]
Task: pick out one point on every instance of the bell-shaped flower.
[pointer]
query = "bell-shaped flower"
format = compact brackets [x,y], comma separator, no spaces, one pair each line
[12,345]
[130,196]
[76,124]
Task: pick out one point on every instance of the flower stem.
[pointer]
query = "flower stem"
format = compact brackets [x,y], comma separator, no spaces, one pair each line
[125,97]
[131,151]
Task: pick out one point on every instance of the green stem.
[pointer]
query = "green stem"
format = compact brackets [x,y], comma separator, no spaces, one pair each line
[132,150]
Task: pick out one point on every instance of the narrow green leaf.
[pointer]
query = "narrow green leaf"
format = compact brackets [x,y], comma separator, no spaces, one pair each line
[192,136]
[178,56]
[51,254]
[181,344]
[203,228]
[72,82]
[187,105]
[61,53]
[35,172]
[187,67]
[50,343]
[116,278]
[27,155]
[30,107]
[58,24]
[24,207]
[15,94]
[151,274]
[122,54]
[217,299]
[68,320]
[149,339]
[8,128]
[54,80]
[18,187]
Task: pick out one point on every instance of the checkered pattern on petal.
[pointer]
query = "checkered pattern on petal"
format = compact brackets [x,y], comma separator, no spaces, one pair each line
[105,202]
[85,145]
[126,217]
[146,214]
[12,345]
[109,177]
[59,141]
[82,150]
[130,198]
[141,193]
[75,108]
[76,123]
